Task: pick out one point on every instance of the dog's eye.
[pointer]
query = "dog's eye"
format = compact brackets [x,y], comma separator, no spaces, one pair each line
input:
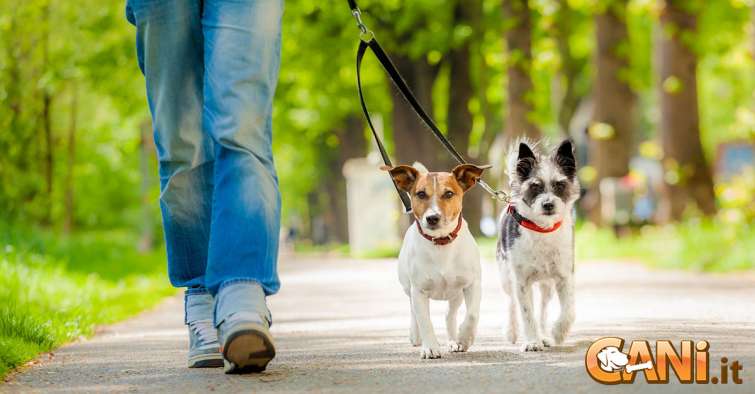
[421,195]
[559,186]
[536,187]
[448,195]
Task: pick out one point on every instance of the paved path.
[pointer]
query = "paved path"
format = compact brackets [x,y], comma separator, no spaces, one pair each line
[341,326]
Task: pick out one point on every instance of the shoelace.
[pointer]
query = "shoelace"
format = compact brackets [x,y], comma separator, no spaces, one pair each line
[205,330]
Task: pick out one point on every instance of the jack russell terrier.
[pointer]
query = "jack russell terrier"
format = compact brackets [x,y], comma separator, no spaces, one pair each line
[439,258]
[536,244]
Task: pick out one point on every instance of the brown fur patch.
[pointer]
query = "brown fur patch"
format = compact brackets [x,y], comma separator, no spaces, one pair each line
[447,188]
[440,185]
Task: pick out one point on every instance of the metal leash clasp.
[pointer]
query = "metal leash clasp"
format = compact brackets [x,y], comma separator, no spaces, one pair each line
[499,195]
[365,34]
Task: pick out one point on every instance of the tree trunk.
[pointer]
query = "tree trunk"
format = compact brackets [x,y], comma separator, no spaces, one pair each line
[687,175]
[411,139]
[612,124]
[146,154]
[519,43]
[46,118]
[70,213]
[460,92]
[752,38]
[571,67]
[351,144]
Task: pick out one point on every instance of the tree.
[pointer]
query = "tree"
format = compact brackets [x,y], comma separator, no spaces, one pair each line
[461,90]
[416,36]
[351,144]
[612,128]
[412,141]
[566,22]
[519,43]
[687,175]
[70,211]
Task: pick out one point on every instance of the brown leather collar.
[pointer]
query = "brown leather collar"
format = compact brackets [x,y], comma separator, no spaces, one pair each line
[441,240]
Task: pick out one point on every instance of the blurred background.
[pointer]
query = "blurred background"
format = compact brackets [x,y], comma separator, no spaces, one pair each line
[659,97]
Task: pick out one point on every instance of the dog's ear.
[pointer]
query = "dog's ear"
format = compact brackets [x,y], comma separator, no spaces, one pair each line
[564,159]
[525,162]
[603,357]
[468,174]
[404,176]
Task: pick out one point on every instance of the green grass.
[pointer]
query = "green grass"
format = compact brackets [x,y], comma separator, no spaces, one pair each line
[54,289]
[696,244]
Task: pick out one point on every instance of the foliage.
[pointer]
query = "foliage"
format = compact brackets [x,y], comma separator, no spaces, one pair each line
[90,51]
[54,290]
[81,56]
[723,243]
[697,244]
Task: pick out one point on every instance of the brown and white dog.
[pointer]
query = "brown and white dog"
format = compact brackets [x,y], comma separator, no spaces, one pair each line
[439,258]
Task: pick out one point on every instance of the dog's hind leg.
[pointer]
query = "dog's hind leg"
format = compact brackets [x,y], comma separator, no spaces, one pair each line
[512,326]
[546,293]
[511,329]
[565,289]
[468,329]
[414,338]
[451,329]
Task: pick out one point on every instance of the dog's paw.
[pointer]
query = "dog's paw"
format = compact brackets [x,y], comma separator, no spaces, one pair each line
[429,352]
[547,342]
[535,346]
[511,336]
[454,347]
[559,333]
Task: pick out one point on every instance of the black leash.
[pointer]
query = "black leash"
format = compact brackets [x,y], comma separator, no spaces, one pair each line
[367,40]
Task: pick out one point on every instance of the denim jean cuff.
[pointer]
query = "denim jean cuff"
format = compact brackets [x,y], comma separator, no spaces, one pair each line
[198,306]
[241,296]
[196,290]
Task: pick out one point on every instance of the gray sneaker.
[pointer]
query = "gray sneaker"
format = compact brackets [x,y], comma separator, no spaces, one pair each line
[243,327]
[204,349]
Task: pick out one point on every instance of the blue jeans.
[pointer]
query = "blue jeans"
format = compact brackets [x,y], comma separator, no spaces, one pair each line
[211,68]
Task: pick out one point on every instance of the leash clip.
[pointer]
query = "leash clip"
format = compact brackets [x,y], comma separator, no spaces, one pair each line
[365,34]
[499,195]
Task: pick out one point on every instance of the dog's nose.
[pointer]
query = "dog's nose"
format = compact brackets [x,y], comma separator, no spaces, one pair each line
[433,219]
[548,206]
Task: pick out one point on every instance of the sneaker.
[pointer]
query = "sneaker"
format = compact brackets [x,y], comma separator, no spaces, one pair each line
[243,328]
[204,349]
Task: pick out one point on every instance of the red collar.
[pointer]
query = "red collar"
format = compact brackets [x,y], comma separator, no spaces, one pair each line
[441,240]
[529,224]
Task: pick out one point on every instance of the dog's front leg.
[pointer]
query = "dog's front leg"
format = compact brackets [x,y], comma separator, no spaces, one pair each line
[421,308]
[532,341]
[468,328]
[565,289]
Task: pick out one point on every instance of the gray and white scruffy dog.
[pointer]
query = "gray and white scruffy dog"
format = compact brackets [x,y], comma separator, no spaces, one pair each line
[536,243]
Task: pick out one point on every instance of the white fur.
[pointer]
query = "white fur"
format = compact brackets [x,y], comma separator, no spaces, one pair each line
[441,272]
[542,259]
[545,260]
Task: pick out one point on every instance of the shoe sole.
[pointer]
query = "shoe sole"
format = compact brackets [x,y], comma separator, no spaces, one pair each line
[248,349]
[210,360]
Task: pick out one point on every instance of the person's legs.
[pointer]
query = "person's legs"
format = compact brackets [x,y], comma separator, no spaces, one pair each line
[170,53]
[241,58]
